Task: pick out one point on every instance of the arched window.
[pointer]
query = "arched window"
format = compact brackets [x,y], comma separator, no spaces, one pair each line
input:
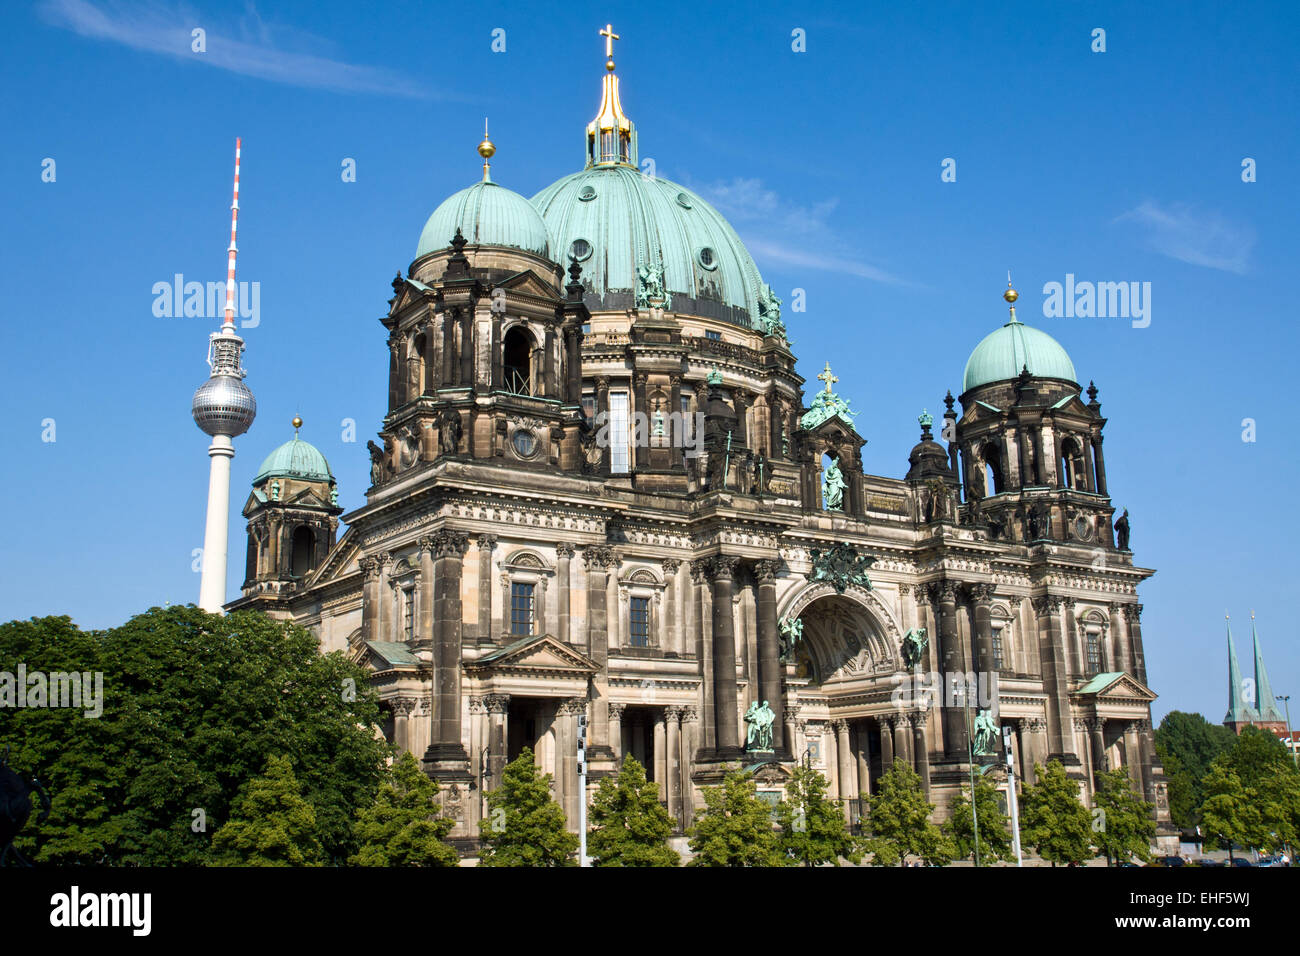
[992,463]
[415,383]
[516,361]
[1072,464]
[301,553]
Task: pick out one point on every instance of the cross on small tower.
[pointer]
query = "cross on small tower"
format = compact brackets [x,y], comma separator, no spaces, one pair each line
[610,36]
[828,378]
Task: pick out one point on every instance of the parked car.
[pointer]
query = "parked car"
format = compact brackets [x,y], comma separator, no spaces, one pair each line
[1241,861]
[1172,861]
[1207,861]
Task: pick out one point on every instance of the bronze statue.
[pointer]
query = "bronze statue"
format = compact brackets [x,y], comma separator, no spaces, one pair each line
[16,807]
[915,642]
[986,731]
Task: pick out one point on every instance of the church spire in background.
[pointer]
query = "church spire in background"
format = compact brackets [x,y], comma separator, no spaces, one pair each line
[1265,702]
[223,407]
[1239,712]
[611,136]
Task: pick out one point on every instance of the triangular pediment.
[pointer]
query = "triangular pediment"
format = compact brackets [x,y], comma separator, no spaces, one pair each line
[529,282]
[537,655]
[837,430]
[1116,685]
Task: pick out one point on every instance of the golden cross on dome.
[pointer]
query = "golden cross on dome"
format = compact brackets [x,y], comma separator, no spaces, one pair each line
[610,36]
[827,377]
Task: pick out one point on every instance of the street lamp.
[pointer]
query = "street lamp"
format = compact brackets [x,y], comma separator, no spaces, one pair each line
[970,756]
[1290,737]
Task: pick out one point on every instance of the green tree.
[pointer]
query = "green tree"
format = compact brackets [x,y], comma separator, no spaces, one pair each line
[404,826]
[734,828]
[524,826]
[1125,826]
[812,826]
[629,826]
[1052,820]
[898,821]
[194,704]
[1187,744]
[272,825]
[1227,814]
[994,832]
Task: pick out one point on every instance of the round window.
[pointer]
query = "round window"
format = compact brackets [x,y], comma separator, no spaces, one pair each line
[587,193]
[684,201]
[525,443]
[580,249]
[707,258]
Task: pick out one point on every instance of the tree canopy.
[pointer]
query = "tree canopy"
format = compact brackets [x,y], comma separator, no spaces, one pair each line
[270,824]
[629,826]
[524,826]
[404,826]
[1052,820]
[734,827]
[898,821]
[1187,744]
[994,830]
[1125,826]
[194,706]
[813,830]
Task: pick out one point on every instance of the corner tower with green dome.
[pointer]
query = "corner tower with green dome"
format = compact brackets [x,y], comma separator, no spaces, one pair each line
[293,523]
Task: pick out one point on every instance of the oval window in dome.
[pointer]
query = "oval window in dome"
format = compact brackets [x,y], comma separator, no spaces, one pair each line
[684,201]
[587,193]
[580,249]
[707,258]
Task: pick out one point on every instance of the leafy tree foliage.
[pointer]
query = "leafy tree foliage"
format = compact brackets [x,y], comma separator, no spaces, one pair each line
[404,826]
[812,826]
[1187,744]
[994,831]
[1252,794]
[898,819]
[524,826]
[1125,827]
[272,825]
[735,827]
[1052,820]
[1228,815]
[194,704]
[629,826]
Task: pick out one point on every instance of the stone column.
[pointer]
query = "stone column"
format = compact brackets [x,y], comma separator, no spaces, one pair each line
[1075,660]
[1096,727]
[863,752]
[675,449]
[1099,463]
[981,598]
[902,742]
[673,641]
[769,650]
[446,757]
[598,559]
[639,425]
[886,742]
[1035,747]
[725,717]
[954,674]
[1133,616]
[564,557]
[1122,659]
[498,708]
[704,652]
[602,405]
[661,754]
[424,637]
[384,611]
[616,731]
[486,542]
[402,707]
[370,598]
[673,783]
[920,749]
[1133,754]
[690,741]
[1052,656]
[566,757]
[844,765]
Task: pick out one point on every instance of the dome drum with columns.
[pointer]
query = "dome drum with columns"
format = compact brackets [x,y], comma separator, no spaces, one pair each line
[599,473]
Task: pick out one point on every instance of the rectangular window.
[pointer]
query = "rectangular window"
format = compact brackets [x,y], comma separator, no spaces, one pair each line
[640,619]
[521,608]
[714,336]
[1094,653]
[618,433]
[997,650]
[589,405]
[408,613]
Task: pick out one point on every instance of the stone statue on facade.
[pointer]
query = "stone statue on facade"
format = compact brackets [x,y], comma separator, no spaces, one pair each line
[449,432]
[759,719]
[833,486]
[915,642]
[376,462]
[1121,531]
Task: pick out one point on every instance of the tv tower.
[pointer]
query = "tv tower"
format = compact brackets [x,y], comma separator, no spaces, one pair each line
[223,407]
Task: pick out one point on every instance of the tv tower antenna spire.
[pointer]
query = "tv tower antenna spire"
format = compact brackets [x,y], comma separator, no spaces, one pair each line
[223,407]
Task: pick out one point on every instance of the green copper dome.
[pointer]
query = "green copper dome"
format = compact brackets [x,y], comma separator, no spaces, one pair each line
[486,214]
[613,218]
[1005,351]
[295,459]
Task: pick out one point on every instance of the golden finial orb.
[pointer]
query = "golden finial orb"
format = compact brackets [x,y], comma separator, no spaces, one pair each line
[1011,294]
[297,423]
[486,149]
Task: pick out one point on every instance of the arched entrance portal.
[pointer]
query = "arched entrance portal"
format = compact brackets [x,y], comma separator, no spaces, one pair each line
[841,642]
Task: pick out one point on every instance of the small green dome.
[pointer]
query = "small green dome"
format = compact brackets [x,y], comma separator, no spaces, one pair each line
[614,218]
[295,459]
[1005,351]
[486,214]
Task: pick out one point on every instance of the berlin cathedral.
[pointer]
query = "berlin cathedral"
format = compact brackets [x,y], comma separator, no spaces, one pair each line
[601,489]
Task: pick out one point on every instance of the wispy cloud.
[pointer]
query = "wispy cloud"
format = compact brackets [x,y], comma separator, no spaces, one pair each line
[155,28]
[1181,231]
[780,231]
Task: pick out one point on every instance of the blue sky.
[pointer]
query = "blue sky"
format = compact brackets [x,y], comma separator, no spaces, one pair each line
[1115,166]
